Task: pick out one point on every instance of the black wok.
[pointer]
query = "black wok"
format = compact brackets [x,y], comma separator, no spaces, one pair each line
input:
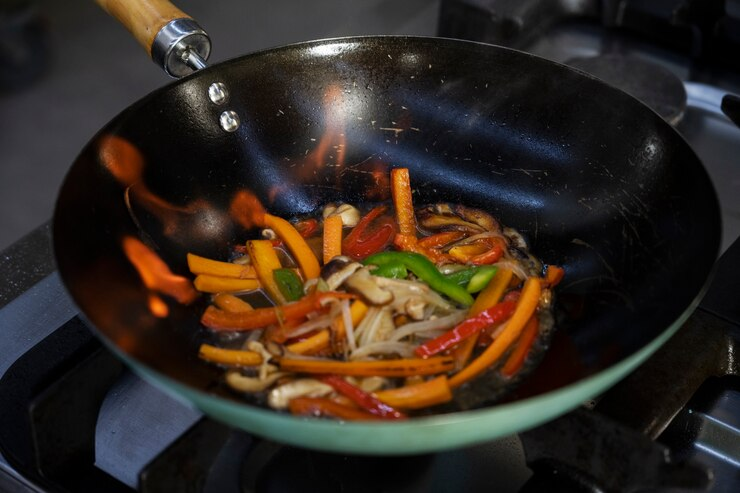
[595,180]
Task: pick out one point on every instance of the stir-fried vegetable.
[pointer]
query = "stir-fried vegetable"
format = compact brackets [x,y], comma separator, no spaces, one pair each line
[376,313]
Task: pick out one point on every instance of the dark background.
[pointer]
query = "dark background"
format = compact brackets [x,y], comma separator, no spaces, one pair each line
[91,69]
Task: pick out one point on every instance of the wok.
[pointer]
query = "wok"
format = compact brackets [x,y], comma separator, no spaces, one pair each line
[596,182]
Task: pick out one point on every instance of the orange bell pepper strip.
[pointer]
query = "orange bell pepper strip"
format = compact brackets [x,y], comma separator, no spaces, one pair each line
[418,396]
[487,298]
[265,261]
[233,357]
[215,284]
[230,303]
[332,244]
[525,309]
[403,201]
[220,320]
[519,354]
[441,239]
[323,407]
[201,265]
[297,245]
[381,368]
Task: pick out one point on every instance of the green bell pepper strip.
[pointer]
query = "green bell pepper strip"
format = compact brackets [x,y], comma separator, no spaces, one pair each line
[425,270]
[462,277]
[393,270]
[288,283]
[481,278]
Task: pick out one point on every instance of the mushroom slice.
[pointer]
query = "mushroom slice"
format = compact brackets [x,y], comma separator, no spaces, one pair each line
[364,284]
[350,214]
[338,270]
[243,383]
[280,396]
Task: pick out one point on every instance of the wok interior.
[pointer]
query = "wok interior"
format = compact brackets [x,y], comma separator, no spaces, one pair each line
[595,181]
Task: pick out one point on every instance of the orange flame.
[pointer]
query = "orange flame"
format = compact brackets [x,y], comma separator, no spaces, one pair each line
[157,276]
[247,210]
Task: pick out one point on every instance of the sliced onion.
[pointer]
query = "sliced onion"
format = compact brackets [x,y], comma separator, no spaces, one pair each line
[514,267]
[428,325]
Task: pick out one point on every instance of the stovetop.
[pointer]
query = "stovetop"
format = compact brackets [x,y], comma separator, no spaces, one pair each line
[672,424]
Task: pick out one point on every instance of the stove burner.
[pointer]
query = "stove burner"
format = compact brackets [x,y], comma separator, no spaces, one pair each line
[653,84]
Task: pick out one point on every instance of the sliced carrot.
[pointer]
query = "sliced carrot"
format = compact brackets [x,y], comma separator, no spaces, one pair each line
[297,245]
[265,261]
[214,284]
[402,201]
[332,238]
[234,357]
[323,407]
[382,368]
[519,354]
[418,396]
[553,276]
[203,265]
[230,303]
[490,295]
[526,307]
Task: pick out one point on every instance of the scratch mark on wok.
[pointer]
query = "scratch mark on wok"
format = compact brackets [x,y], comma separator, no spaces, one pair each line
[578,241]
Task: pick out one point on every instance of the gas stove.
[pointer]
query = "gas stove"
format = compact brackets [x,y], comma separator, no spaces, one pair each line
[74,419]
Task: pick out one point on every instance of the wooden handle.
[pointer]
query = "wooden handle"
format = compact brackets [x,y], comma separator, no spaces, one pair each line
[143,18]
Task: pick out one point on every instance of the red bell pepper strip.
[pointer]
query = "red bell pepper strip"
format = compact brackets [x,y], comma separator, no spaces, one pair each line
[372,234]
[497,313]
[220,320]
[322,407]
[366,401]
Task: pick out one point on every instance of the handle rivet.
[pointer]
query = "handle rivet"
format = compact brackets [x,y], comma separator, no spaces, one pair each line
[217,93]
[229,121]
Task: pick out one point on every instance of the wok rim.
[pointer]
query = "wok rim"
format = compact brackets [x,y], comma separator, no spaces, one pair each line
[416,435]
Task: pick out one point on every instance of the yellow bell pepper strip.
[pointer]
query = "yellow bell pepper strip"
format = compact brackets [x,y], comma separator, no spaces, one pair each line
[366,401]
[233,357]
[381,368]
[297,245]
[332,236]
[322,339]
[425,270]
[323,407]
[230,303]
[220,320]
[265,261]
[289,284]
[483,252]
[403,201]
[490,295]
[519,354]
[418,396]
[201,265]
[213,284]
[525,309]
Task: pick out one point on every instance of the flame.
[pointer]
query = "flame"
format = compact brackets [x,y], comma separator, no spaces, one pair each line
[247,210]
[126,163]
[157,276]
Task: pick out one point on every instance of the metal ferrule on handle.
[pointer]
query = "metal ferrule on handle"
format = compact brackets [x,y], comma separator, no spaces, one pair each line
[171,37]
[181,47]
